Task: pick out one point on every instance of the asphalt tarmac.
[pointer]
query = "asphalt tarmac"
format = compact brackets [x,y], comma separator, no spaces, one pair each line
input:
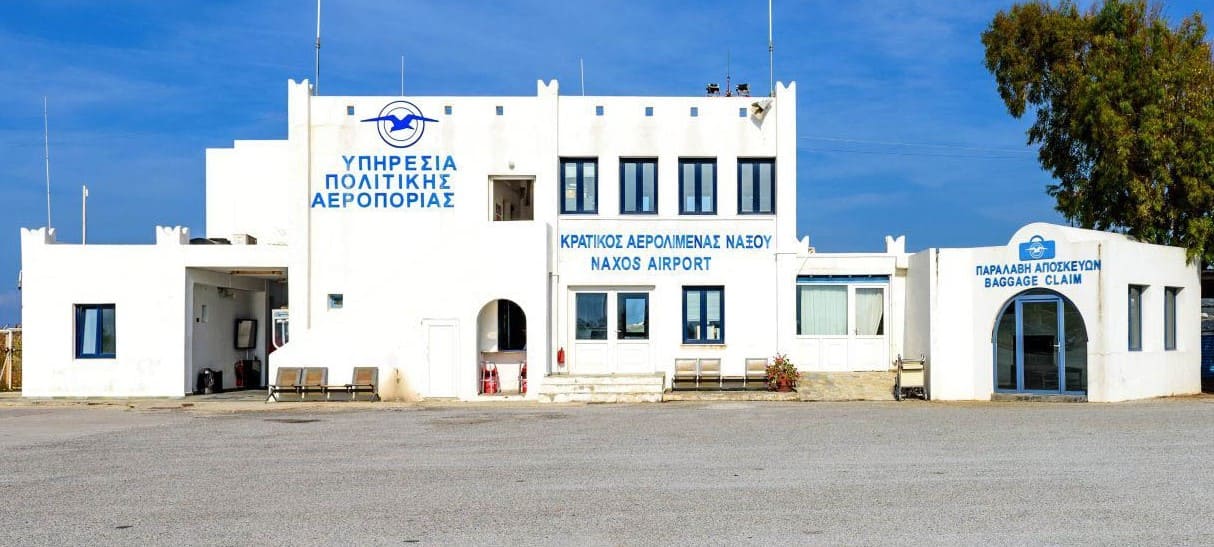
[654,474]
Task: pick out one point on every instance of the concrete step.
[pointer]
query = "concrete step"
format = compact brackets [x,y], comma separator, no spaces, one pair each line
[602,388]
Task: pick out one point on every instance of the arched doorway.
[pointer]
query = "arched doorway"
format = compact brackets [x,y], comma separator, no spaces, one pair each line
[501,344]
[1040,345]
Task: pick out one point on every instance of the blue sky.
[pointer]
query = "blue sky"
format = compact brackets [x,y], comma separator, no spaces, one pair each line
[900,128]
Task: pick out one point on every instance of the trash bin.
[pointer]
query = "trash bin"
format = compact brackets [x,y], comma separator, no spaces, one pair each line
[209,381]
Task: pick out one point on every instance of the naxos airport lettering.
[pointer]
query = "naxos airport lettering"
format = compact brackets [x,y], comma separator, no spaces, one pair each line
[1036,268]
[648,261]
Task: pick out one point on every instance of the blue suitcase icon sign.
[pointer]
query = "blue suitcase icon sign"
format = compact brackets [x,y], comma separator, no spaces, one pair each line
[1037,248]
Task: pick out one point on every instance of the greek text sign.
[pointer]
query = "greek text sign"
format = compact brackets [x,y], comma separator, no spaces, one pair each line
[389,182]
[659,252]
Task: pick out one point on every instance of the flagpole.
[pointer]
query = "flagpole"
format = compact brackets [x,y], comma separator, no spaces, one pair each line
[316,84]
[84,207]
[46,140]
[771,55]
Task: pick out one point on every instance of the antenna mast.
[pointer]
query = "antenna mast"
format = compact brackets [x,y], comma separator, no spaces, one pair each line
[771,54]
[581,67]
[402,75]
[46,141]
[316,84]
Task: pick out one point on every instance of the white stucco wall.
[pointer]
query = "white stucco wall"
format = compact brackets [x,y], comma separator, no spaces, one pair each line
[962,313]
[246,191]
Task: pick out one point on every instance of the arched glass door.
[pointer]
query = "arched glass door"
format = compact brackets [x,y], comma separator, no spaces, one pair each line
[1040,345]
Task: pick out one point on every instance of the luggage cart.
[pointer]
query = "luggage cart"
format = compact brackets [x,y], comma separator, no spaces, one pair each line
[910,378]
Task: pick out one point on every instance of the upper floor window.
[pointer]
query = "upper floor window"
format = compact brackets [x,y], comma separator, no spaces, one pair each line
[96,336]
[579,188]
[697,187]
[638,187]
[756,186]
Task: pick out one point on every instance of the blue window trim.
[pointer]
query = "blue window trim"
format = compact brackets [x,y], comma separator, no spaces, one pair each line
[638,164]
[753,164]
[841,279]
[703,292]
[1134,313]
[80,309]
[699,184]
[1171,296]
[621,311]
[581,182]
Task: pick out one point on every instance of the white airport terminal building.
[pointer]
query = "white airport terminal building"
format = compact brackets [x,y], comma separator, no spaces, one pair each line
[588,244]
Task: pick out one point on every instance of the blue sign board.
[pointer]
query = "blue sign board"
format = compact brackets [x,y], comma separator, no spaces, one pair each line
[1037,248]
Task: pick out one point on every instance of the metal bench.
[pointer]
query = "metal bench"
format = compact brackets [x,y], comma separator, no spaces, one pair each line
[697,372]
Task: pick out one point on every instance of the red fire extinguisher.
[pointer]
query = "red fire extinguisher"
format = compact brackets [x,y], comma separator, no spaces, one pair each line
[522,379]
[560,357]
[489,383]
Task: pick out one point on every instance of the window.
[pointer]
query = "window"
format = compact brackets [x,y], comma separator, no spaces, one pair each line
[349,110]
[96,337]
[1169,318]
[500,110]
[1135,317]
[336,301]
[447,109]
[580,190]
[598,111]
[695,111]
[841,305]
[649,112]
[756,187]
[703,315]
[697,187]
[633,316]
[822,310]
[638,187]
[591,316]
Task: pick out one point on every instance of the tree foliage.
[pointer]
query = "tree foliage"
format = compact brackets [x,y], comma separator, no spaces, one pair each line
[1124,107]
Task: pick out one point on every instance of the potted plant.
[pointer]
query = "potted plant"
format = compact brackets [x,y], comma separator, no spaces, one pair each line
[781,374]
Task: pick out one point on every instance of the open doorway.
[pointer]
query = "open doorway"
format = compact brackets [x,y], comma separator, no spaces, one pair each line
[502,344]
[512,199]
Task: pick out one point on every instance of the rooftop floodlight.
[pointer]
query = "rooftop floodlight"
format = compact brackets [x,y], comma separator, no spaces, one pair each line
[713,90]
[743,90]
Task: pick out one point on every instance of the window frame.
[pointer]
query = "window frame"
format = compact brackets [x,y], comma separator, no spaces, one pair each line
[699,175]
[1134,317]
[581,186]
[1170,326]
[703,291]
[638,164]
[621,326]
[79,311]
[852,284]
[754,164]
[577,296]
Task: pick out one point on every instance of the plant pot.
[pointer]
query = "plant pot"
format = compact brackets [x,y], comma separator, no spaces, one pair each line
[784,385]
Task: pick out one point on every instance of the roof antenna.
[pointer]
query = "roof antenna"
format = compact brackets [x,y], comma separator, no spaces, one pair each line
[402,75]
[316,83]
[771,54]
[582,71]
[46,141]
[728,88]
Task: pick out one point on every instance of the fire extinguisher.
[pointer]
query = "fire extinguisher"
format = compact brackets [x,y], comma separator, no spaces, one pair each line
[489,384]
[560,357]
[522,379]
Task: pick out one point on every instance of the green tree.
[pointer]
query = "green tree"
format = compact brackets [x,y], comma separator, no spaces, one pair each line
[1124,107]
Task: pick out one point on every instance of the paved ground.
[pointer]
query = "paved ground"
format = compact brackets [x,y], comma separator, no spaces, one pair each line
[683,473]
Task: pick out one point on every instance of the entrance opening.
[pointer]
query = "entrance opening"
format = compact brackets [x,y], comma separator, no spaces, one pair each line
[502,344]
[512,199]
[1040,345]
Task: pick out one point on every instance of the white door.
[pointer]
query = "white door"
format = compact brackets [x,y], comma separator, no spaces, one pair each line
[611,332]
[869,345]
[442,349]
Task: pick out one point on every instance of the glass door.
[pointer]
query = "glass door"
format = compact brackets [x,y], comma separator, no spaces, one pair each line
[1040,344]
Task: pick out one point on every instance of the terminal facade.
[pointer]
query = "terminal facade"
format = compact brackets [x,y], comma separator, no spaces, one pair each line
[563,237]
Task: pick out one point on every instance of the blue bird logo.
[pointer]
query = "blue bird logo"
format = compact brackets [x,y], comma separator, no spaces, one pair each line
[400,124]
